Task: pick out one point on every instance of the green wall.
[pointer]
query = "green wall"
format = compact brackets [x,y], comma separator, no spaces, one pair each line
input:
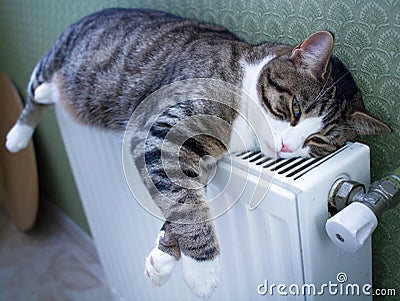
[367,40]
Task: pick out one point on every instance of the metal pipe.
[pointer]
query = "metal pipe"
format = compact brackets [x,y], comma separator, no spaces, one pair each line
[358,212]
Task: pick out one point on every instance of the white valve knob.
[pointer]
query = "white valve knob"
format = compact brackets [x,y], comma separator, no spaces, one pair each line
[351,227]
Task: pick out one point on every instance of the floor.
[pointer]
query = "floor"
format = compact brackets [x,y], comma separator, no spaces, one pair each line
[55,261]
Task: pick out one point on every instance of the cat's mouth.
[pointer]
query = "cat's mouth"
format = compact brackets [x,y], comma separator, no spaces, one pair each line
[277,151]
[286,152]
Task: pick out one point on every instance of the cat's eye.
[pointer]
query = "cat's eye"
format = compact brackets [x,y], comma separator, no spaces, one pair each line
[296,111]
[317,140]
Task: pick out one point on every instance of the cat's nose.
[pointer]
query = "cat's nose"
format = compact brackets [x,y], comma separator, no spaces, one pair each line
[285,148]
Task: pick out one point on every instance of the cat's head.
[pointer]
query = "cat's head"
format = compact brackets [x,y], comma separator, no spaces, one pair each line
[313,103]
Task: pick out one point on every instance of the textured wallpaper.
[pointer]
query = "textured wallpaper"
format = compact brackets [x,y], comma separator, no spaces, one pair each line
[367,40]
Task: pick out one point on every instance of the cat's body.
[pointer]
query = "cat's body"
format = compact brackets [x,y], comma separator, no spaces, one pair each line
[105,65]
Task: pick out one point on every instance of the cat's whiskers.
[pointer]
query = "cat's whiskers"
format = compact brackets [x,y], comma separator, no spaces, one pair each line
[335,82]
[320,94]
[323,92]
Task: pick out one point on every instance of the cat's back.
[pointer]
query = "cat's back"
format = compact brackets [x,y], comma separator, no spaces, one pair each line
[132,33]
[116,57]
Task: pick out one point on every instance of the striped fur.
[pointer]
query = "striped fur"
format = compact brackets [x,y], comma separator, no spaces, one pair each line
[105,65]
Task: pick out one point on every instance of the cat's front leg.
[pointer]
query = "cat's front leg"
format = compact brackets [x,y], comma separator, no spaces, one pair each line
[175,163]
[197,246]
[200,257]
[201,277]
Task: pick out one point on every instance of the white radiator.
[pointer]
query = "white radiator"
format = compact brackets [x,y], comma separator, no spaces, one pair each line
[276,251]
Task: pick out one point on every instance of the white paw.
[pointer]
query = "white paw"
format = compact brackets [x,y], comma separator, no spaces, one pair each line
[202,277]
[46,93]
[18,137]
[159,265]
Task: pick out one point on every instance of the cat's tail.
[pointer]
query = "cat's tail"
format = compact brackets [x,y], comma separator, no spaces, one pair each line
[39,97]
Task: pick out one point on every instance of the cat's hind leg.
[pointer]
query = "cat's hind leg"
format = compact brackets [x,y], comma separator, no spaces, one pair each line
[46,93]
[38,100]
[161,261]
[18,137]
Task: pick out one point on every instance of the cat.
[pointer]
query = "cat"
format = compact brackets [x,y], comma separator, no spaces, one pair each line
[105,65]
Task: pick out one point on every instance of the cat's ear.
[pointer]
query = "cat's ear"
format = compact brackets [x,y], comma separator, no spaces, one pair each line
[312,55]
[365,124]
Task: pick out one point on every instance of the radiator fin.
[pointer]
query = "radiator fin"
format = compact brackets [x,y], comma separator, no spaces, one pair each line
[293,168]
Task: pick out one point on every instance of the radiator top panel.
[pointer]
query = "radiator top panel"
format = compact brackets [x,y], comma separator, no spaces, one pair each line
[293,168]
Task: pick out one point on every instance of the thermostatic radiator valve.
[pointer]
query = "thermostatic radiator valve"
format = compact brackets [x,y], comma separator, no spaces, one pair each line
[359,211]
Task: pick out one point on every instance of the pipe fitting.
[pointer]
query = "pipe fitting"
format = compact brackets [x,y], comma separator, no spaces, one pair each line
[343,192]
[351,227]
[382,195]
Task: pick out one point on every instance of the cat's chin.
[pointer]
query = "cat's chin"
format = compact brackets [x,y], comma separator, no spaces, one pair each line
[286,155]
[302,153]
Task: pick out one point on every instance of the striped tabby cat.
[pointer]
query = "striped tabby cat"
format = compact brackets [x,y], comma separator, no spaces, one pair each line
[102,67]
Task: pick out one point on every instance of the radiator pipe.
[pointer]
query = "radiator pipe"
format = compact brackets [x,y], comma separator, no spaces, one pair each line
[358,212]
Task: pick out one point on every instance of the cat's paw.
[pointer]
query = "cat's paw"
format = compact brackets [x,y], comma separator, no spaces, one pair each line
[18,137]
[202,277]
[46,93]
[159,265]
